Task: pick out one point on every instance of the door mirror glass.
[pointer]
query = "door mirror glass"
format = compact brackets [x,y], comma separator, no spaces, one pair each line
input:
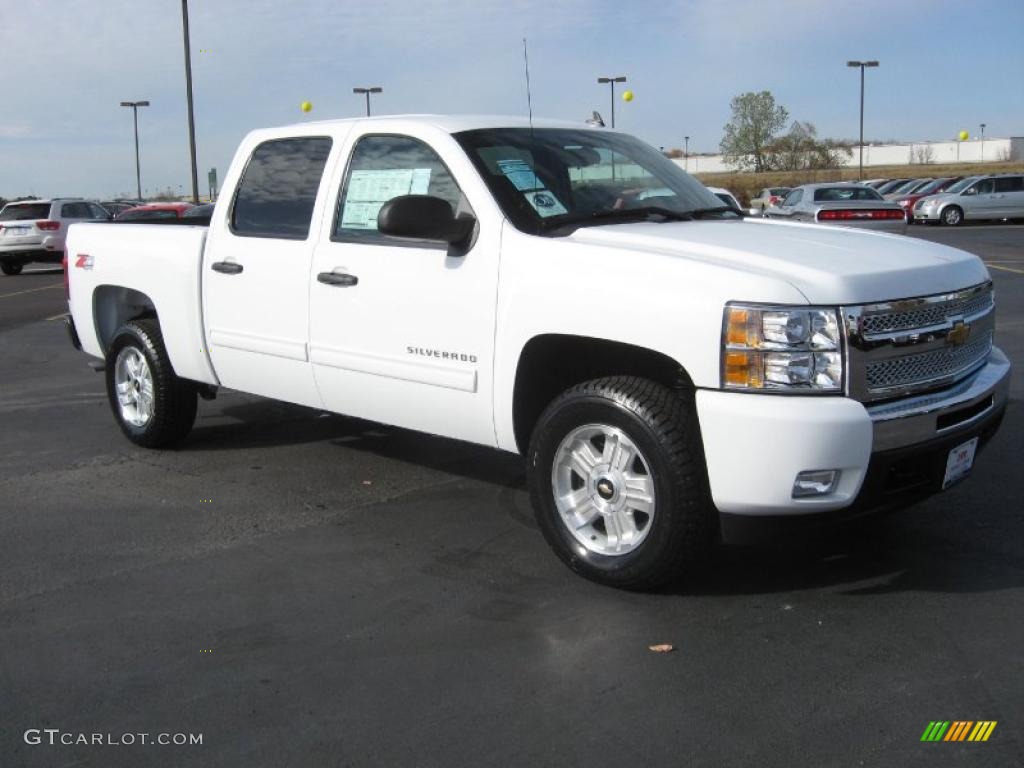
[424,217]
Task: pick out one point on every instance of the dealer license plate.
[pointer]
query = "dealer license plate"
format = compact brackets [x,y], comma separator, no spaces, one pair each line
[959,461]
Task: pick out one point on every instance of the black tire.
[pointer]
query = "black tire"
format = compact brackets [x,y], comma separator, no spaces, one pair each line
[174,399]
[11,269]
[953,216]
[663,426]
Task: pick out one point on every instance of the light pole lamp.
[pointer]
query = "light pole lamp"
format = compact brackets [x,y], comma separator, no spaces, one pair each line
[368,91]
[982,126]
[135,119]
[862,65]
[612,81]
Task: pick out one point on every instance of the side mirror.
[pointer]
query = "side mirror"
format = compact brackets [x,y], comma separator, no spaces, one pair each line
[971,191]
[424,217]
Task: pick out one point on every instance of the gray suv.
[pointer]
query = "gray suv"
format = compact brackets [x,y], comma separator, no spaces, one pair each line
[975,198]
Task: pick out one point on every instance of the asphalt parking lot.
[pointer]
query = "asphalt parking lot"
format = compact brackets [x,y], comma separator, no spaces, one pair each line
[307,589]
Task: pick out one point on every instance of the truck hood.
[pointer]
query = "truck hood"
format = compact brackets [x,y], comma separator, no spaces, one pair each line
[828,265]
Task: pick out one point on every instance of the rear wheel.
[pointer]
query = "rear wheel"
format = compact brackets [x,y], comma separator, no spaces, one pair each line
[953,216]
[153,407]
[11,269]
[618,482]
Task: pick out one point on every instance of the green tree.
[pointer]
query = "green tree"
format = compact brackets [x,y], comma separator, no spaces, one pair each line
[755,120]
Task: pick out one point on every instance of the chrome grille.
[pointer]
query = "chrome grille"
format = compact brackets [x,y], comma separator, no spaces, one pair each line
[925,313]
[927,366]
[917,345]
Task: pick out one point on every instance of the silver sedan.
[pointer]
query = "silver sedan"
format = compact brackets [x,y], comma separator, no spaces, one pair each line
[841,204]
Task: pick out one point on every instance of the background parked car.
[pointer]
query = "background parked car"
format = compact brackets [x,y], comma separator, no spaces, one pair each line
[154,212]
[116,206]
[907,188]
[889,186]
[908,201]
[203,211]
[842,204]
[766,198]
[726,197]
[975,198]
[34,230]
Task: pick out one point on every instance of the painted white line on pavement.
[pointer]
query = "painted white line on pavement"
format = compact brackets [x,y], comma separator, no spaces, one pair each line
[1006,269]
[31,290]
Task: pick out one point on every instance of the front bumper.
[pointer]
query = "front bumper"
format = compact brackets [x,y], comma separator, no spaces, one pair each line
[755,445]
[927,213]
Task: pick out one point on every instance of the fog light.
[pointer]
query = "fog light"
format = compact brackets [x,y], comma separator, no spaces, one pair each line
[815,482]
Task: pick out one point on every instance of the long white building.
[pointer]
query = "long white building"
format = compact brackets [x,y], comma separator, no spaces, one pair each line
[991,150]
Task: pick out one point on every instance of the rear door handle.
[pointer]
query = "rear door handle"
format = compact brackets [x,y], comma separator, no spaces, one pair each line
[226,267]
[337,278]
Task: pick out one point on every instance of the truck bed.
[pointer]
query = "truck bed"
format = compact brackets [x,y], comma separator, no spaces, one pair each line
[154,266]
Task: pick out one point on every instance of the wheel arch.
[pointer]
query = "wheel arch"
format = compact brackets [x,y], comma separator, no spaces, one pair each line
[115,305]
[549,364]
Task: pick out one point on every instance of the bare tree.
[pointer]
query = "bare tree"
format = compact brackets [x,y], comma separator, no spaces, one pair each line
[922,154]
[755,121]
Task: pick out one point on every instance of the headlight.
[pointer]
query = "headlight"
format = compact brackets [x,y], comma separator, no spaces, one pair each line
[793,349]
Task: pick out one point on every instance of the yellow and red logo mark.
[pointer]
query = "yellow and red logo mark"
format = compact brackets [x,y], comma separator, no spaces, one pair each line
[958,730]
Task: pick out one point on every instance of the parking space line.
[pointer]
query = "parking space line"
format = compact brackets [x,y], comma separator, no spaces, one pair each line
[30,290]
[58,317]
[1005,269]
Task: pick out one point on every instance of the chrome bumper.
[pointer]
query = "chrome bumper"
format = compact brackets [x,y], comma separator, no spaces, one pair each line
[940,414]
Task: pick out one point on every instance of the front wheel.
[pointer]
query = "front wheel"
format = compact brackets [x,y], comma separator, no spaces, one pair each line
[11,269]
[153,407]
[953,216]
[618,482]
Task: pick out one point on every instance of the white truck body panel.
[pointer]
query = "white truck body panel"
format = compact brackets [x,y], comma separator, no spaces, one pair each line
[162,263]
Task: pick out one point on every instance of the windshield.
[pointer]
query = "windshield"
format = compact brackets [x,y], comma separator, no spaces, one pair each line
[550,180]
[961,185]
[25,211]
[931,186]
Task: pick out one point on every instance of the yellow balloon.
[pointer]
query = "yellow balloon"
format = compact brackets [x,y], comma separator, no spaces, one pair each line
[305,106]
[627,95]
[964,135]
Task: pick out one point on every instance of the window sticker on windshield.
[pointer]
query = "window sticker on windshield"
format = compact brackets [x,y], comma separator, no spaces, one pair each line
[520,174]
[545,203]
[368,190]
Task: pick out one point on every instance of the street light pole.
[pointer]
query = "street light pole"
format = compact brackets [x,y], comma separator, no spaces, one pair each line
[135,119]
[686,154]
[188,94]
[982,126]
[368,91]
[862,65]
[612,81]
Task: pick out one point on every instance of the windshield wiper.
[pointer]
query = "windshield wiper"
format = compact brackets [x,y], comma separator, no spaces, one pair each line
[701,212]
[618,215]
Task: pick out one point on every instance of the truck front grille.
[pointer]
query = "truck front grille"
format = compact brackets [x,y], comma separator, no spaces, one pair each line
[915,345]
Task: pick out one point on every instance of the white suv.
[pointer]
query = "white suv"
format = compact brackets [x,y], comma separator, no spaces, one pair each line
[34,230]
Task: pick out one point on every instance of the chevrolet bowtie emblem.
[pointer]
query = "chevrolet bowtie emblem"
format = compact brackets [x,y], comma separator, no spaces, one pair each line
[958,334]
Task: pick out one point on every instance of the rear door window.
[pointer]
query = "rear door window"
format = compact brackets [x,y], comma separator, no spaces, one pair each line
[1010,184]
[278,188]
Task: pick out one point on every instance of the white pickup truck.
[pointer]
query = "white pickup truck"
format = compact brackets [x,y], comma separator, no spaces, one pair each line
[568,293]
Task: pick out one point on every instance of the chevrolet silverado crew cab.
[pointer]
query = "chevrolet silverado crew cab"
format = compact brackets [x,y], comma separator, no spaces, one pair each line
[568,293]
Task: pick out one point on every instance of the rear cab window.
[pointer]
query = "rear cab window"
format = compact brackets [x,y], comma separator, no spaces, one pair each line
[278,188]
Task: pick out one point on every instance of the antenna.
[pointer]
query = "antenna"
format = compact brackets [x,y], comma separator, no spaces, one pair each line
[529,99]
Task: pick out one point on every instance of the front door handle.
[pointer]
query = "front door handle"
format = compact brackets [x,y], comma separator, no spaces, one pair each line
[226,267]
[337,278]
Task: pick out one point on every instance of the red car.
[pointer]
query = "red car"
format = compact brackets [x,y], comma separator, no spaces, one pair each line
[154,211]
[907,202]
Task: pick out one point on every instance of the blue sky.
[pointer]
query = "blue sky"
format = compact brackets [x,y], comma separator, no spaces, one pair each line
[945,66]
